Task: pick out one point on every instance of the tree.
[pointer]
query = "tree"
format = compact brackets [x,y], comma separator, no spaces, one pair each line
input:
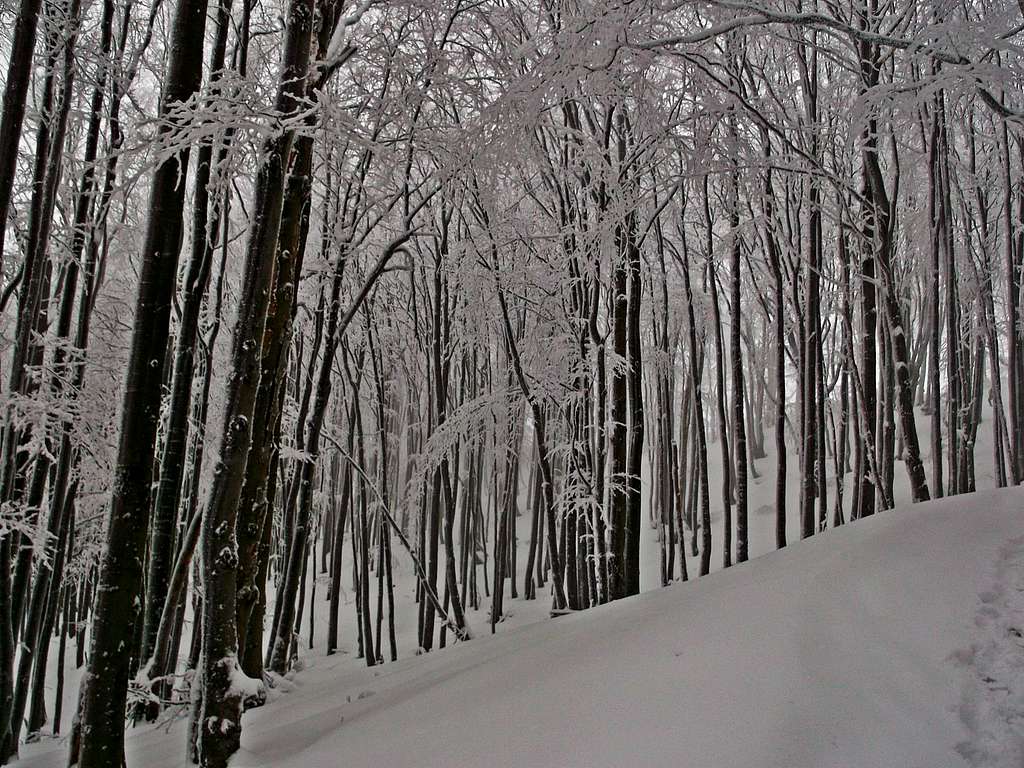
[105,686]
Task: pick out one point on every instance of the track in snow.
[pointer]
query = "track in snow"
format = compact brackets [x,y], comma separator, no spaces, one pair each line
[992,698]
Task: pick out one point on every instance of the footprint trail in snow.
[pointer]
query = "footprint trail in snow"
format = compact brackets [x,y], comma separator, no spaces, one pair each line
[992,698]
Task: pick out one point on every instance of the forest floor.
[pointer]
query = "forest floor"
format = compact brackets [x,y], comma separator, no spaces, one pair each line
[895,641]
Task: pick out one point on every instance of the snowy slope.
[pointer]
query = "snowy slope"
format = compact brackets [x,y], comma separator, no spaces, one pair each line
[891,642]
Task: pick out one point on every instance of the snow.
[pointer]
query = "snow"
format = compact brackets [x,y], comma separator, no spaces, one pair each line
[248,688]
[992,699]
[893,641]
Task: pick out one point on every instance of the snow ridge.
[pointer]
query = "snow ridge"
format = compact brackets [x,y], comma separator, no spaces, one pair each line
[992,696]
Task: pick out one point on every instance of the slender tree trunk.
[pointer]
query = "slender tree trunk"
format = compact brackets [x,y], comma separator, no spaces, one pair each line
[736,353]
[631,556]
[700,445]
[618,448]
[723,437]
[775,263]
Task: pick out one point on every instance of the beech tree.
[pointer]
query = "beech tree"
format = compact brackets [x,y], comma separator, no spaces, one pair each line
[105,685]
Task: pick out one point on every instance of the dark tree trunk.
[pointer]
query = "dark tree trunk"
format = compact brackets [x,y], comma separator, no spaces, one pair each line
[700,445]
[631,553]
[723,437]
[736,353]
[775,263]
[339,534]
[118,597]
[19,75]
[168,494]
[618,493]
[222,697]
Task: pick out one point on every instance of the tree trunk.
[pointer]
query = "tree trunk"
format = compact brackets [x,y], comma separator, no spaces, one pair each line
[117,599]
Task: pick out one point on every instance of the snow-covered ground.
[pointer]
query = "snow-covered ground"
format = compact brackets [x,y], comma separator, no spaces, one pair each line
[894,641]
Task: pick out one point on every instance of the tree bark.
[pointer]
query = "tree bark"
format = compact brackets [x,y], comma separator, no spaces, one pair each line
[118,597]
